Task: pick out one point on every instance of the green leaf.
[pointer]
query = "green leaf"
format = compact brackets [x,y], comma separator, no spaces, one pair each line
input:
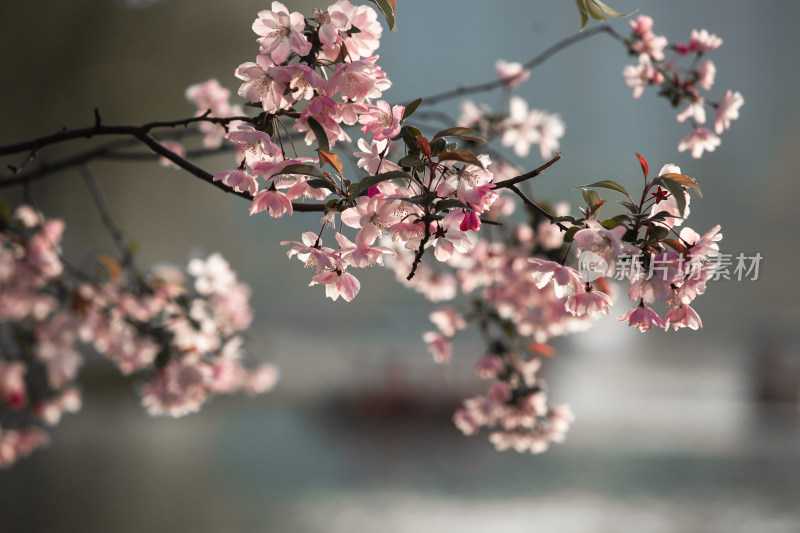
[299,168]
[566,218]
[607,184]
[438,146]
[675,189]
[410,108]
[630,207]
[658,233]
[570,233]
[319,133]
[369,181]
[321,184]
[388,8]
[461,155]
[590,197]
[421,200]
[451,203]
[610,223]
[464,133]
[409,135]
[411,160]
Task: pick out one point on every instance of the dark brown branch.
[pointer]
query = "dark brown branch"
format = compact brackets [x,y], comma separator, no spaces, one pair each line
[507,184]
[142,134]
[34,145]
[530,65]
[420,251]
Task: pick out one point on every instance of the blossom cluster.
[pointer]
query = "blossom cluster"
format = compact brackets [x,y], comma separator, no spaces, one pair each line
[680,85]
[412,193]
[181,331]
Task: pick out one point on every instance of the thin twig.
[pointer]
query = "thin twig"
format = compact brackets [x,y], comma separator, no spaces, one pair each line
[537,208]
[530,65]
[100,200]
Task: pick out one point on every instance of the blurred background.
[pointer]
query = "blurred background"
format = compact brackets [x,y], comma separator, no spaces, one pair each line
[687,431]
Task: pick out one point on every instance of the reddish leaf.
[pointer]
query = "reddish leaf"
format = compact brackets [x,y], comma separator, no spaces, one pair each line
[461,155]
[333,160]
[643,162]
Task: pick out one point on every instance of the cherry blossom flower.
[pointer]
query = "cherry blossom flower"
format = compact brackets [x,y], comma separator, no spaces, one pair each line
[525,128]
[590,302]
[239,180]
[727,110]
[370,158]
[701,41]
[439,345]
[682,316]
[706,74]
[643,318]
[381,121]
[281,32]
[263,83]
[512,74]
[331,22]
[699,140]
[337,283]
[448,320]
[273,201]
[641,77]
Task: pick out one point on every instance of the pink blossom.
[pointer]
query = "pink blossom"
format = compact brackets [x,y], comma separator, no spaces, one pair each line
[304,81]
[177,390]
[253,145]
[212,275]
[590,302]
[370,158]
[239,180]
[331,23]
[706,74]
[337,283]
[448,320]
[263,83]
[643,318]
[705,245]
[682,316]
[361,44]
[695,110]
[359,81]
[524,128]
[439,346]
[512,74]
[565,280]
[699,140]
[381,121]
[489,367]
[273,201]
[328,113]
[702,41]
[361,254]
[311,252]
[727,110]
[648,42]
[281,33]
[641,77]
[262,379]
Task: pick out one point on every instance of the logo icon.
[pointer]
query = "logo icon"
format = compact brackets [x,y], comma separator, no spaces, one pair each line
[591,266]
